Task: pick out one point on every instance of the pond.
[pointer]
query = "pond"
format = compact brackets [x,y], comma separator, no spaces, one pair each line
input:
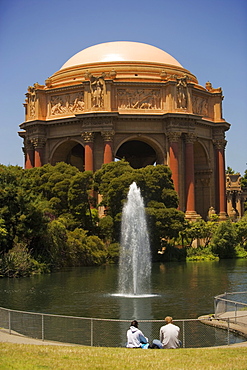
[182,290]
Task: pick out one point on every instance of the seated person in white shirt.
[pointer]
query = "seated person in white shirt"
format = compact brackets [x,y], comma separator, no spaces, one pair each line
[169,334]
[135,337]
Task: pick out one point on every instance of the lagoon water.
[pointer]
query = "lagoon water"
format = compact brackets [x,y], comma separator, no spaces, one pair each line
[182,290]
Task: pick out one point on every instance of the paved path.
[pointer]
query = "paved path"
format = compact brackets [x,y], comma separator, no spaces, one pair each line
[21,339]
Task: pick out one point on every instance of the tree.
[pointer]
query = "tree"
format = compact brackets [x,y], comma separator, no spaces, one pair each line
[80,199]
[224,240]
[21,211]
[241,231]
[244,186]
[158,193]
[230,171]
[52,183]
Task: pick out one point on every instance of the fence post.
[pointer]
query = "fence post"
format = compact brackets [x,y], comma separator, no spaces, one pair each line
[42,327]
[235,313]
[91,332]
[183,334]
[228,331]
[9,321]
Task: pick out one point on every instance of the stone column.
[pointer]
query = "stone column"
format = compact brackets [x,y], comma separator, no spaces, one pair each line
[108,152]
[88,138]
[238,204]
[221,177]
[173,155]
[190,177]
[29,154]
[38,144]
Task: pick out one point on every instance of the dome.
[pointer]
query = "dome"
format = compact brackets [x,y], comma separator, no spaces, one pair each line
[118,51]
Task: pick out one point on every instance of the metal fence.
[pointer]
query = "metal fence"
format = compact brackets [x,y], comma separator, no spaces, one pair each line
[106,332]
[232,306]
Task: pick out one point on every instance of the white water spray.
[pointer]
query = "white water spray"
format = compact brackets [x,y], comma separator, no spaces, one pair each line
[135,256]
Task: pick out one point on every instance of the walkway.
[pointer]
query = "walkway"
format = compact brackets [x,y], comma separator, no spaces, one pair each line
[21,339]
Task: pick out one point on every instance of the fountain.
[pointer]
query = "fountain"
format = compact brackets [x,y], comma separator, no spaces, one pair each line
[135,256]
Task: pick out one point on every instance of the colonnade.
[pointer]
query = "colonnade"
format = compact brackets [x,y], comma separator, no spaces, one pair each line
[35,150]
[220,190]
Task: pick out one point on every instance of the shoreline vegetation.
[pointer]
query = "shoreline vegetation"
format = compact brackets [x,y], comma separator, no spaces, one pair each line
[49,219]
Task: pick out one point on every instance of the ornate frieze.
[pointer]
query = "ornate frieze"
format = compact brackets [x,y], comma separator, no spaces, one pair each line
[182,93]
[200,105]
[67,104]
[96,123]
[138,99]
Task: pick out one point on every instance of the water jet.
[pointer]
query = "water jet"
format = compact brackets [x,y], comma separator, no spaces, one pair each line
[135,255]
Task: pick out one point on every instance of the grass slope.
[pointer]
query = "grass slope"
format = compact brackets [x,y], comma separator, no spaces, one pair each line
[34,357]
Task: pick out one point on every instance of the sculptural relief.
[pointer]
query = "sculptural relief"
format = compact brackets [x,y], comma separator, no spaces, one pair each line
[67,104]
[30,100]
[97,86]
[138,99]
[200,105]
[182,95]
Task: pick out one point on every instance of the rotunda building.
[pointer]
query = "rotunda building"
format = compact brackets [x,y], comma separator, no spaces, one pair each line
[134,101]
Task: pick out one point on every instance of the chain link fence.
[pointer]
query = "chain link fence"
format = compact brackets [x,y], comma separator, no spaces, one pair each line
[105,332]
[232,307]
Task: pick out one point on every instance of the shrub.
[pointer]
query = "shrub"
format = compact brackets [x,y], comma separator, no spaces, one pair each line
[19,262]
[224,240]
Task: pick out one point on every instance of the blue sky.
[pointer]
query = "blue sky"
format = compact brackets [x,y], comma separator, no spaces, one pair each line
[208,37]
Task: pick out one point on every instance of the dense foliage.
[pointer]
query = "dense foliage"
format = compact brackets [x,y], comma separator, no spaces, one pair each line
[244,186]
[49,218]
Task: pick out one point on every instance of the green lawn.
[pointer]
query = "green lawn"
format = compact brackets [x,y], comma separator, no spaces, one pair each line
[32,357]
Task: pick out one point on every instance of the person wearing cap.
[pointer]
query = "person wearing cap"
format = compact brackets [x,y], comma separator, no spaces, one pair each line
[135,337]
[169,334]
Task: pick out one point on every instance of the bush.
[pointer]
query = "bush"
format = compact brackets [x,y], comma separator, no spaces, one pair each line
[241,252]
[200,254]
[224,240]
[19,262]
[83,250]
[113,251]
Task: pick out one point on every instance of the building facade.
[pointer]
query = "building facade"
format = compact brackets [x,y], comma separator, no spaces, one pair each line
[134,101]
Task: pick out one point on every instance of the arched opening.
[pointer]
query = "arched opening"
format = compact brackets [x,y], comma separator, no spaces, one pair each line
[138,153]
[203,174]
[70,152]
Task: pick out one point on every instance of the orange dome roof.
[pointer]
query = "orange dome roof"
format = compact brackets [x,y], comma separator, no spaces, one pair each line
[126,51]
